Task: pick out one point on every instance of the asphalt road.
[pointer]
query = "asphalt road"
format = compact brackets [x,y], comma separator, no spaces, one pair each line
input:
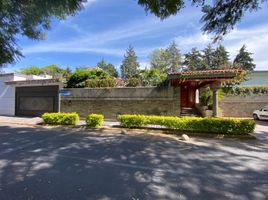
[38,163]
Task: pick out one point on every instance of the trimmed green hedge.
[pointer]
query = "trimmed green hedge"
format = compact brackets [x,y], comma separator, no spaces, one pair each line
[94,120]
[60,118]
[191,124]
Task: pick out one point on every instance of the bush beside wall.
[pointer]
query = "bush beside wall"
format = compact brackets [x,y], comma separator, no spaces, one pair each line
[94,120]
[191,124]
[60,118]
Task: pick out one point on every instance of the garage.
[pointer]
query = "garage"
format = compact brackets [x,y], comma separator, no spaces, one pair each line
[34,101]
[24,95]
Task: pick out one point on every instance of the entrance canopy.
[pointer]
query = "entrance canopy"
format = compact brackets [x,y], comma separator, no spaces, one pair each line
[202,78]
[190,81]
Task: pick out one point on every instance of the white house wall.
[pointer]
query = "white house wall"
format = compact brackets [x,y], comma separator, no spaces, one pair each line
[7,96]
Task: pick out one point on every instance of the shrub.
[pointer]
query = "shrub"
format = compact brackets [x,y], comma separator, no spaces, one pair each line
[98,83]
[60,118]
[131,121]
[191,124]
[94,120]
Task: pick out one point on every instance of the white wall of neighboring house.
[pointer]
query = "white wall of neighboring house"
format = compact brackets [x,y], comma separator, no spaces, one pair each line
[7,92]
[7,96]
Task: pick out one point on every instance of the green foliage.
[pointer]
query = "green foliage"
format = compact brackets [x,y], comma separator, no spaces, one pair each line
[246,91]
[167,60]
[130,65]
[110,68]
[32,70]
[219,17]
[193,60]
[191,124]
[133,82]
[30,19]
[94,120]
[243,60]
[152,77]
[99,83]
[52,70]
[132,121]
[60,118]
[206,97]
[79,77]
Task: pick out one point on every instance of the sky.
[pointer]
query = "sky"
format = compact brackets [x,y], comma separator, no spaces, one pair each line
[105,28]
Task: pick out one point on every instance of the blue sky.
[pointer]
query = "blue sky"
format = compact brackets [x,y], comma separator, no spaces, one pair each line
[105,28]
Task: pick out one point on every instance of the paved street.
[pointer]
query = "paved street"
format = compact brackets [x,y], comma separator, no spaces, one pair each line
[41,163]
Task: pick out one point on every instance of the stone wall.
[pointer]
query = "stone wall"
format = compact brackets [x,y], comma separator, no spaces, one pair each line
[114,101]
[242,106]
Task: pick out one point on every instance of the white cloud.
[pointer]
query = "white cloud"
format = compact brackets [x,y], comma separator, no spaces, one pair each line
[103,42]
[255,38]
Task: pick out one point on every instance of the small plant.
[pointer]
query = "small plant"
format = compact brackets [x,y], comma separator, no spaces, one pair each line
[94,120]
[60,118]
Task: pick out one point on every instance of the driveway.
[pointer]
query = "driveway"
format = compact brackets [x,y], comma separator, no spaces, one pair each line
[39,163]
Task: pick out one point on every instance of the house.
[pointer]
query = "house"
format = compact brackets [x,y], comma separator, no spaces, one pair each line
[28,95]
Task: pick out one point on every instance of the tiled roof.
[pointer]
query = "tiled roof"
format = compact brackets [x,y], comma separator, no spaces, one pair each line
[206,74]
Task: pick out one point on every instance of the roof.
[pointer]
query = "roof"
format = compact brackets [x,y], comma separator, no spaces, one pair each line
[206,74]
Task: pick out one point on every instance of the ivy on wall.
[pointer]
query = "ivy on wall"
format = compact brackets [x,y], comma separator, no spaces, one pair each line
[246,91]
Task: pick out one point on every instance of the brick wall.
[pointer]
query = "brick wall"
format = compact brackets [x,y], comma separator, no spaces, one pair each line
[113,101]
[242,106]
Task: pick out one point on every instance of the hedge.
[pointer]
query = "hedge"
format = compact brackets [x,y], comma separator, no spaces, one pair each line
[94,120]
[60,118]
[191,124]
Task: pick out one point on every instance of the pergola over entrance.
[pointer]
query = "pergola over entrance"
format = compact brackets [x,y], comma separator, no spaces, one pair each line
[190,81]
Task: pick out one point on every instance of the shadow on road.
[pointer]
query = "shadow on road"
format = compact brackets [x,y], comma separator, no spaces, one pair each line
[48,164]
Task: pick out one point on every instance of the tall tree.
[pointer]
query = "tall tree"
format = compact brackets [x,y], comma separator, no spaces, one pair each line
[208,58]
[167,60]
[110,68]
[219,16]
[130,65]
[222,58]
[243,60]
[193,60]
[173,57]
[30,19]
[158,60]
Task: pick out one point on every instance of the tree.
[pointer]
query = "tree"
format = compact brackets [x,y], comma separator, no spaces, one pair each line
[110,68]
[67,73]
[219,16]
[173,57]
[222,58]
[32,70]
[30,19]
[158,59]
[193,60]
[243,60]
[78,78]
[52,70]
[167,60]
[208,58]
[152,77]
[130,65]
